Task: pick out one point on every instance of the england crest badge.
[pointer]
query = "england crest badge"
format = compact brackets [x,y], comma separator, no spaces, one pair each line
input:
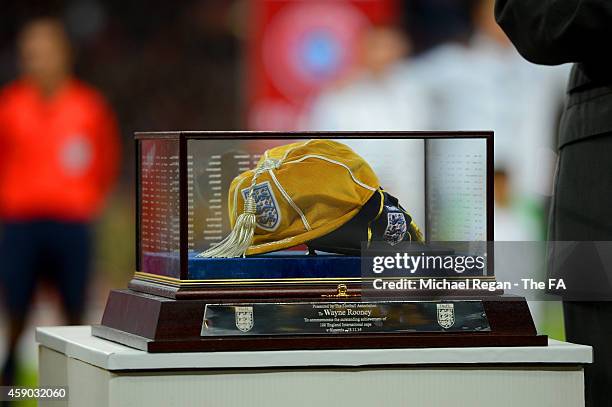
[244,318]
[446,315]
[396,228]
[267,212]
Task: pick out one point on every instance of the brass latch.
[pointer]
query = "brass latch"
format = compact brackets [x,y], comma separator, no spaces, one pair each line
[342,292]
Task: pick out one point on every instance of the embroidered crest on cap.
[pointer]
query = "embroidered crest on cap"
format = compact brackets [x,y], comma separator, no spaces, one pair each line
[267,214]
[396,228]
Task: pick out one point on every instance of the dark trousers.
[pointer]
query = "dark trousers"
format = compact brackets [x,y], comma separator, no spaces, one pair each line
[56,251]
[590,323]
[582,211]
[31,251]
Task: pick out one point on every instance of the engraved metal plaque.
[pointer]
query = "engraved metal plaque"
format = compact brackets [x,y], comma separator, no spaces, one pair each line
[343,318]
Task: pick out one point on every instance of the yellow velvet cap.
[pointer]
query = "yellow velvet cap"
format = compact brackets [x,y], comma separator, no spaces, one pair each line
[302,191]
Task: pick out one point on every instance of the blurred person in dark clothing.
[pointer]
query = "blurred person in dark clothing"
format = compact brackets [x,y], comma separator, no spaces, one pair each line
[435,22]
[58,160]
[555,32]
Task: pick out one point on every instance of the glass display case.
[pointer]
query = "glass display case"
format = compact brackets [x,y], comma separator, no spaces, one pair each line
[443,180]
[263,240]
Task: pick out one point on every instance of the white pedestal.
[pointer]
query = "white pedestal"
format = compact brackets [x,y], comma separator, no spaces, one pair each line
[101,373]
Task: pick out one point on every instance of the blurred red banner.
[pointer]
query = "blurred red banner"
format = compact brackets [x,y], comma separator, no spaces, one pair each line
[298,47]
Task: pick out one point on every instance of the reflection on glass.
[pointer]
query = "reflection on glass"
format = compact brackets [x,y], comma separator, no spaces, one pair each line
[159,207]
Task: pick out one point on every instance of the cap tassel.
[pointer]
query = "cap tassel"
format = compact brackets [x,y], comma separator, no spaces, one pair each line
[240,239]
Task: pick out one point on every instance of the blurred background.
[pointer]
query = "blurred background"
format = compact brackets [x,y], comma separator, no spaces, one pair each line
[289,65]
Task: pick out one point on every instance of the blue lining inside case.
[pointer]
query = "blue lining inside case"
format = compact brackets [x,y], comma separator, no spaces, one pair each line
[283,264]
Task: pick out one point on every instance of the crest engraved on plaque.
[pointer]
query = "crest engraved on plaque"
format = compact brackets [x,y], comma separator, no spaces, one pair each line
[244,318]
[446,315]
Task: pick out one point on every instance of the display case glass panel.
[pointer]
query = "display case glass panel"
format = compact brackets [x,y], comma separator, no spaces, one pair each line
[441,179]
[158,207]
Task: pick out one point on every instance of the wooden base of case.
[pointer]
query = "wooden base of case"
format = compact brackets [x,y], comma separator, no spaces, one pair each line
[158,324]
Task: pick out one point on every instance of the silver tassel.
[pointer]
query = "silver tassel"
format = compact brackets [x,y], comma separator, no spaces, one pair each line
[240,239]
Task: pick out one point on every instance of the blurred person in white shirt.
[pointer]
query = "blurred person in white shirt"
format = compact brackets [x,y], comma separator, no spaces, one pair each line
[486,85]
[376,96]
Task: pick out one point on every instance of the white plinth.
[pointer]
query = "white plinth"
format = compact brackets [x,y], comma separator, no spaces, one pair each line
[102,373]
